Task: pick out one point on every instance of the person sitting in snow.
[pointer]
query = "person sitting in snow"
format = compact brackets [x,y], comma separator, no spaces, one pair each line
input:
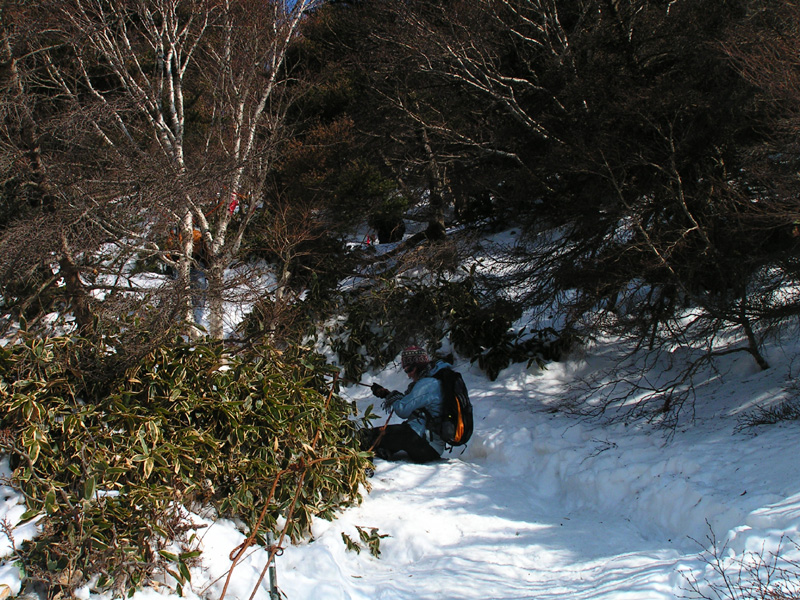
[421,403]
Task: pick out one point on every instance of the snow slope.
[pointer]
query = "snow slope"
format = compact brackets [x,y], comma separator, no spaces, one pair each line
[541,505]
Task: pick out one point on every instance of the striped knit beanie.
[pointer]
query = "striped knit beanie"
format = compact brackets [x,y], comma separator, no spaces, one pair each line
[414,355]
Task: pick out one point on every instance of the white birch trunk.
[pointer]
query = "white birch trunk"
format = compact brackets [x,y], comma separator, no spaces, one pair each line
[153,54]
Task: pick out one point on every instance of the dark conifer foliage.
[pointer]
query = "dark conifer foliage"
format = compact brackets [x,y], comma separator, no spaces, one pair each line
[640,147]
[645,151]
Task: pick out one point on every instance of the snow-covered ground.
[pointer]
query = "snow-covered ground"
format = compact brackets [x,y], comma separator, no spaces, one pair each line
[542,505]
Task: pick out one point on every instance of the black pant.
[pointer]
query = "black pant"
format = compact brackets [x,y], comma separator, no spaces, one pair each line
[396,439]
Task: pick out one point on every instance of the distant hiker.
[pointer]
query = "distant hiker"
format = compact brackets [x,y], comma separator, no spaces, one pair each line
[417,438]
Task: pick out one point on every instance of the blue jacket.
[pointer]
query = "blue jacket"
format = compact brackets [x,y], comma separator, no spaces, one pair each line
[423,395]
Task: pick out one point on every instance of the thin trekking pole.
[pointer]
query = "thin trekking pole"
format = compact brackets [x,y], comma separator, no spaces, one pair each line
[382,432]
[274,594]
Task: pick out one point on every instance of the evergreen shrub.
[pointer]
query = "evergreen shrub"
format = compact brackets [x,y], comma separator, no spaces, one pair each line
[111,474]
[387,219]
[380,322]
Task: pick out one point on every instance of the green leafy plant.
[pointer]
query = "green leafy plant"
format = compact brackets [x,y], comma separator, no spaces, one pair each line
[372,539]
[181,563]
[190,426]
[352,546]
[369,537]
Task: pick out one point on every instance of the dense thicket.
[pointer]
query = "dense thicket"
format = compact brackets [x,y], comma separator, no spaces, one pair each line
[109,468]
[128,127]
[644,151]
[624,127]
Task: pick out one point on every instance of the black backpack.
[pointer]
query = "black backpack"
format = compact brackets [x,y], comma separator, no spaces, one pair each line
[454,425]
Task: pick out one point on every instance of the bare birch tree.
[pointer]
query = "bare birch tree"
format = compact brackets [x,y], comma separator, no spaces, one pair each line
[184,100]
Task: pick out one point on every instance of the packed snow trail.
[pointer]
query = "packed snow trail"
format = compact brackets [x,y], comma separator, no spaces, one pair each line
[542,506]
[463,531]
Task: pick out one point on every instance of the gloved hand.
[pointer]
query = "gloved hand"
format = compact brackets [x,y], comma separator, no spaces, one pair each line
[379,390]
[388,404]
